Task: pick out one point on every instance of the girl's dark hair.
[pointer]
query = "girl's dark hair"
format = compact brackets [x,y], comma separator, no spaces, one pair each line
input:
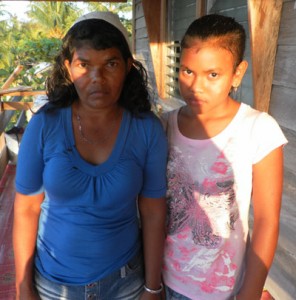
[100,35]
[229,34]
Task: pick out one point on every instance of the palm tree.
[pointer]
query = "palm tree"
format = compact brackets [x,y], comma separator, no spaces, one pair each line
[124,10]
[54,17]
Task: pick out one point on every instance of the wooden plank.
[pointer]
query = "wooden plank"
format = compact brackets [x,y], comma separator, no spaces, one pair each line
[16,105]
[287,34]
[8,91]
[240,13]
[290,164]
[142,45]
[138,10]
[229,4]
[282,106]
[140,33]
[264,17]
[140,23]
[280,281]
[154,12]
[12,77]
[285,65]
[7,268]
[3,155]
[21,93]
[79,0]
[185,3]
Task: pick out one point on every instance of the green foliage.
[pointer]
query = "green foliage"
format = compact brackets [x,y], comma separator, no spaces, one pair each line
[124,10]
[38,40]
[31,52]
[54,17]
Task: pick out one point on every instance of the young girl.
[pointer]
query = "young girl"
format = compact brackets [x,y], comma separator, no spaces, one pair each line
[223,153]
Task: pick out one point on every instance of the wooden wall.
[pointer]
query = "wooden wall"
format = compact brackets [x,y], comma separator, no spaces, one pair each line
[3,154]
[282,278]
[238,9]
[142,48]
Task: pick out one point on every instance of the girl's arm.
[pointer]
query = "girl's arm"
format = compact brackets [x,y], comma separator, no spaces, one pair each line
[25,227]
[153,216]
[267,195]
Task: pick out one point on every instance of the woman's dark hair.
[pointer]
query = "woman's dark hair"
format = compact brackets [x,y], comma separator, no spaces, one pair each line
[229,33]
[100,35]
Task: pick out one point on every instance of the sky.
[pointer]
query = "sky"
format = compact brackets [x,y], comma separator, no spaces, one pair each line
[16,8]
[19,8]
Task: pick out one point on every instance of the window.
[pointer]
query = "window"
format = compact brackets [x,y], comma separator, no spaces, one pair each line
[180,16]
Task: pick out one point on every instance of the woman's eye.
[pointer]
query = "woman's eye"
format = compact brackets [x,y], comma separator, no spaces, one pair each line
[112,64]
[82,65]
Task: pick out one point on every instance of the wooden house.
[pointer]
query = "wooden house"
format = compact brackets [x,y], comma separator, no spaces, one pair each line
[269,85]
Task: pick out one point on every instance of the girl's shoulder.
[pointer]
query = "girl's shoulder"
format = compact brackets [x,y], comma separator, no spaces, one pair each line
[256,117]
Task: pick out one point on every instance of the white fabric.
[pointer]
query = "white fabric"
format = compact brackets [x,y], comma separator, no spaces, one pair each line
[209,193]
[108,17]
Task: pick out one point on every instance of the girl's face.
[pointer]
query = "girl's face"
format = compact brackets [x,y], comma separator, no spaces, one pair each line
[207,75]
[98,76]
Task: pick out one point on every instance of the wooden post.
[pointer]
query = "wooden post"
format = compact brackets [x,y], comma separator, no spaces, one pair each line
[3,154]
[154,17]
[264,22]
[12,77]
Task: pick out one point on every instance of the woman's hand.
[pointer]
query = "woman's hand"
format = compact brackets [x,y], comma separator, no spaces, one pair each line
[27,294]
[149,296]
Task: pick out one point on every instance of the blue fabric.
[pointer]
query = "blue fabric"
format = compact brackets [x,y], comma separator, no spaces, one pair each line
[88,225]
[124,284]
[173,295]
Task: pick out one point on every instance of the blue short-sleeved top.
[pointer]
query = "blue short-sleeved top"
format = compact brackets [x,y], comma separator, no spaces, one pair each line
[88,224]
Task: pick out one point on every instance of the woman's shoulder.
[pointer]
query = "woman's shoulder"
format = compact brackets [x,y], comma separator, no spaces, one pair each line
[148,126]
[148,118]
[45,116]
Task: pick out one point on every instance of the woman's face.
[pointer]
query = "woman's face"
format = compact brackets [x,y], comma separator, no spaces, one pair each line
[98,75]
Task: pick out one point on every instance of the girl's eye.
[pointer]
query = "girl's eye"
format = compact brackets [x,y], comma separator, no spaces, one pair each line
[187,72]
[213,75]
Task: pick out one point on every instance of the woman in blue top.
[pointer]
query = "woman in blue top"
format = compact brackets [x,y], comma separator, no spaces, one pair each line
[89,160]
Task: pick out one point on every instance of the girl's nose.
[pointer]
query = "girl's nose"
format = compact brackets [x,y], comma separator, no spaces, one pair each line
[196,85]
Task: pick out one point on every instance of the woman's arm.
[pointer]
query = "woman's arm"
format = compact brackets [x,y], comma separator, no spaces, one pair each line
[25,227]
[267,195]
[153,216]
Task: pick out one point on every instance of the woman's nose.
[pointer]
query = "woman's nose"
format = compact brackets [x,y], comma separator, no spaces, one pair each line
[97,75]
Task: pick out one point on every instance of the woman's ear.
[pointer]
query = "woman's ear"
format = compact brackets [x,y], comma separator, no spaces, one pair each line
[129,64]
[239,73]
[67,65]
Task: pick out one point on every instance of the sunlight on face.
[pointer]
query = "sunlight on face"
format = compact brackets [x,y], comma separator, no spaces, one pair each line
[98,76]
[206,75]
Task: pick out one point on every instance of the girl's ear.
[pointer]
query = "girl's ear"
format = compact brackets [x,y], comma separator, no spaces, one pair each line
[239,73]
[67,65]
